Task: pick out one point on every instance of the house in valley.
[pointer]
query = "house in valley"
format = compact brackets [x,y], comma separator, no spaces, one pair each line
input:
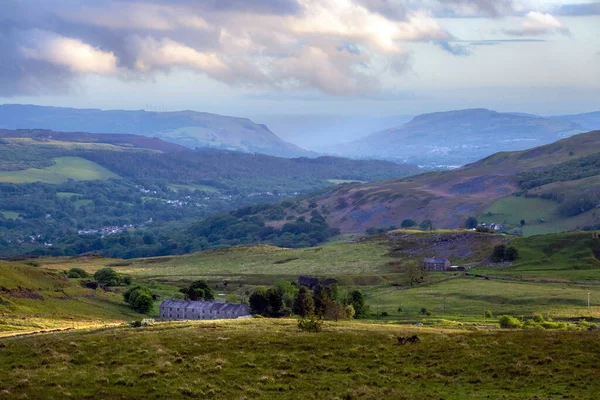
[436,264]
[185,309]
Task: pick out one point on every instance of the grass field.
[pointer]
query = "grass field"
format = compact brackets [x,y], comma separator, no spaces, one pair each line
[10,214]
[541,216]
[271,359]
[469,298]
[566,256]
[64,169]
[66,195]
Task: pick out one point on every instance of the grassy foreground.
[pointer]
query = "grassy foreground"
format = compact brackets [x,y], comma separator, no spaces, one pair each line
[271,359]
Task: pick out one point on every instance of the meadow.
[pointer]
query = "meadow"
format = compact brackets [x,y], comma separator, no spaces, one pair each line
[63,169]
[573,256]
[272,359]
[466,299]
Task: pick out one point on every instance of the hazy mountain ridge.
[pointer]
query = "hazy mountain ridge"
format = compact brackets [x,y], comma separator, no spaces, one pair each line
[187,128]
[459,137]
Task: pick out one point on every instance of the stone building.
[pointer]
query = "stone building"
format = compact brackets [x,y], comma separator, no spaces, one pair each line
[185,309]
[436,264]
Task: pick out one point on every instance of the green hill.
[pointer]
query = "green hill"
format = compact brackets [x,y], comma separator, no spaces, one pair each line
[33,298]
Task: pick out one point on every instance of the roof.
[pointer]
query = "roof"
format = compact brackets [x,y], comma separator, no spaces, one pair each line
[436,260]
[206,305]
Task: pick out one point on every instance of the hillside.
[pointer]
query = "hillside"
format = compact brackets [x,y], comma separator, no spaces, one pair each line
[459,137]
[32,298]
[66,193]
[187,128]
[447,198]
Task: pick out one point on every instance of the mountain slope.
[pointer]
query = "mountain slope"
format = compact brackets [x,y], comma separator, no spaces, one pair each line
[187,128]
[459,137]
[588,121]
[447,198]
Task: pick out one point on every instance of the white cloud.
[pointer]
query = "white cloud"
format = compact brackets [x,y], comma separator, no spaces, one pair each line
[537,23]
[74,54]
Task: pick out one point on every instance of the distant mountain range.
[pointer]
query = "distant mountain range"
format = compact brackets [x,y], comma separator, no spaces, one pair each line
[458,137]
[187,128]
[318,132]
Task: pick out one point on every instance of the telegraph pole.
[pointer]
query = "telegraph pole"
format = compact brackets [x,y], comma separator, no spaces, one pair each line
[588,301]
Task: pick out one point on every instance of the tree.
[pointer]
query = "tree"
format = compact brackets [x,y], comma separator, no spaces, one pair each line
[108,277]
[259,301]
[335,311]
[143,303]
[471,223]
[357,301]
[304,304]
[199,290]
[408,223]
[498,253]
[322,295]
[522,223]
[415,273]
[140,298]
[511,254]
[426,225]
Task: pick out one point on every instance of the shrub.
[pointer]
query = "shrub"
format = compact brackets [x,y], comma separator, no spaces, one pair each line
[107,277]
[488,314]
[400,309]
[310,324]
[140,298]
[425,311]
[508,322]
[385,314]
[75,273]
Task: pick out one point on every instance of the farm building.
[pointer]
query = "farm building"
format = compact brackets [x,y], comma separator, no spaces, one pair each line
[184,309]
[436,264]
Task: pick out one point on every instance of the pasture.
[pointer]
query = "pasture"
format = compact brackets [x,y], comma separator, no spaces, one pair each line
[272,359]
[64,169]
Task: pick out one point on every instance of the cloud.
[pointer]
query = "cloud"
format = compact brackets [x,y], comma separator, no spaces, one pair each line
[334,46]
[455,50]
[578,10]
[537,23]
[71,53]
[477,8]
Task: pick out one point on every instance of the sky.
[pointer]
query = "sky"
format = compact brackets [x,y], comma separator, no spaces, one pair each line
[338,57]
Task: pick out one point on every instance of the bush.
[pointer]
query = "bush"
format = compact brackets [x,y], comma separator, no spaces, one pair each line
[385,314]
[488,314]
[75,273]
[140,298]
[425,311]
[508,322]
[108,277]
[310,324]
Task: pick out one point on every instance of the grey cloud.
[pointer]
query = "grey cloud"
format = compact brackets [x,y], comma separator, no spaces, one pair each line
[476,8]
[578,10]
[388,8]
[455,50]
